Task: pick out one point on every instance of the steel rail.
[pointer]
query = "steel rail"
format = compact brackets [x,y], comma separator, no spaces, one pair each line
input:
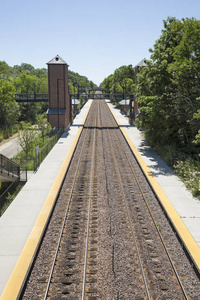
[157,229]
[89,208]
[154,222]
[133,234]
[64,220]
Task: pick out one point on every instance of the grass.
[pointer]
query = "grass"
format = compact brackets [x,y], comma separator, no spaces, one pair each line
[29,160]
[24,161]
[11,196]
[189,172]
[7,132]
[185,167]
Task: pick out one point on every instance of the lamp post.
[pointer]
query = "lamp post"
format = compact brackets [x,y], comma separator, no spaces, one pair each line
[123,88]
[74,84]
[78,89]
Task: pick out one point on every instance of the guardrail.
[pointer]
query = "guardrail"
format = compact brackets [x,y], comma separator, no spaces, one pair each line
[40,156]
[101,96]
[33,97]
[9,167]
[12,190]
[33,162]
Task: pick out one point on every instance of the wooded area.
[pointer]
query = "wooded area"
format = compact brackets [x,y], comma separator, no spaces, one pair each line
[168,90]
[168,93]
[26,79]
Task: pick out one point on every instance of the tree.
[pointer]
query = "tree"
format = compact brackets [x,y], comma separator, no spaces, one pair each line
[26,79]
[43,126]
[107,83]
[170,84]
[114,82]
[24,68]
[5,71]
[79,80]
[26,138]
[24,83]
[9,109]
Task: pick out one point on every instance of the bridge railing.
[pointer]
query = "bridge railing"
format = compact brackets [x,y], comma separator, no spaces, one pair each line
[32,97]
[35,97]
[108,96]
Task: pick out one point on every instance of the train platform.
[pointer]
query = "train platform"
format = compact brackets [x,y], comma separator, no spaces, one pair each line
[187,207]
[17,223]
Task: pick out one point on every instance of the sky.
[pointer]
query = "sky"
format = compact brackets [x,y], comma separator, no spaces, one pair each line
[94,37]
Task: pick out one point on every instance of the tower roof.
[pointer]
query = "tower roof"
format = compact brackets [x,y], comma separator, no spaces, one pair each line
[142,63]
[57,60]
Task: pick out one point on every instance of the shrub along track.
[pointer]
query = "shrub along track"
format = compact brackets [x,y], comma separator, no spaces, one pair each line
[103,240]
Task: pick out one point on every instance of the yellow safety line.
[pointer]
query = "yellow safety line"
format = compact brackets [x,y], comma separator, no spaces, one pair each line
[182,230]
[15,282]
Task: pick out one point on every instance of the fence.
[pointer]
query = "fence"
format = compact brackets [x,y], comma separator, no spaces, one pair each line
[11,192]
[33,162]
[40,156]
[12,167]
[9,167]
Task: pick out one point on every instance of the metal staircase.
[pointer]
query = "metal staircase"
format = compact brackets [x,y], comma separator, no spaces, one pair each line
[9,170]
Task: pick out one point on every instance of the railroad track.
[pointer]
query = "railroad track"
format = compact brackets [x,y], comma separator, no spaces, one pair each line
[102,241]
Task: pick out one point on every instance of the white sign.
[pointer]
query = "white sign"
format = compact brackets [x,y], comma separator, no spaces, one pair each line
[37,150]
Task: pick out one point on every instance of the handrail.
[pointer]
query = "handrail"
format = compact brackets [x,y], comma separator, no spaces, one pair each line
[32,97]
[9,166]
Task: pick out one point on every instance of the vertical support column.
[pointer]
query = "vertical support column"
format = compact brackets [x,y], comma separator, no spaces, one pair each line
[131,109]
[58,113]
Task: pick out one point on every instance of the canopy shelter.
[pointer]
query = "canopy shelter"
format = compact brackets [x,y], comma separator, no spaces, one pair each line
[124,102]
[75,102]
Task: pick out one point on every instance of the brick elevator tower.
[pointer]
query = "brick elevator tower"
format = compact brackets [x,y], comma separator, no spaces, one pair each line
[59,111]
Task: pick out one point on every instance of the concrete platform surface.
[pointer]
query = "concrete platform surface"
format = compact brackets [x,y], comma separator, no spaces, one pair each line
[17,222]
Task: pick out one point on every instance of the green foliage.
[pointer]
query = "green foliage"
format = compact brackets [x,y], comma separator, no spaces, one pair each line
[170,85]
[24,83]
[26,79]
[188,170]
[10,197]
[114,82]
[26,138]
[76,80]
[196,116]
[5,71]
[45,145]
[9,109]
[108,83]
[8,131]
[43,126]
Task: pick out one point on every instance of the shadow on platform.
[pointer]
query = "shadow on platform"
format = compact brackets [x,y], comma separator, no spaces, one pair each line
[158,165]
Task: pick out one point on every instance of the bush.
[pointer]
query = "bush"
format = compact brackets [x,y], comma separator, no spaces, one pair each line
[189,172]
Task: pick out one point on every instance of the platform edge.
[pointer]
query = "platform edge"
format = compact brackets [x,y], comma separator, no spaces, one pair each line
[15,282]
[186,237]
